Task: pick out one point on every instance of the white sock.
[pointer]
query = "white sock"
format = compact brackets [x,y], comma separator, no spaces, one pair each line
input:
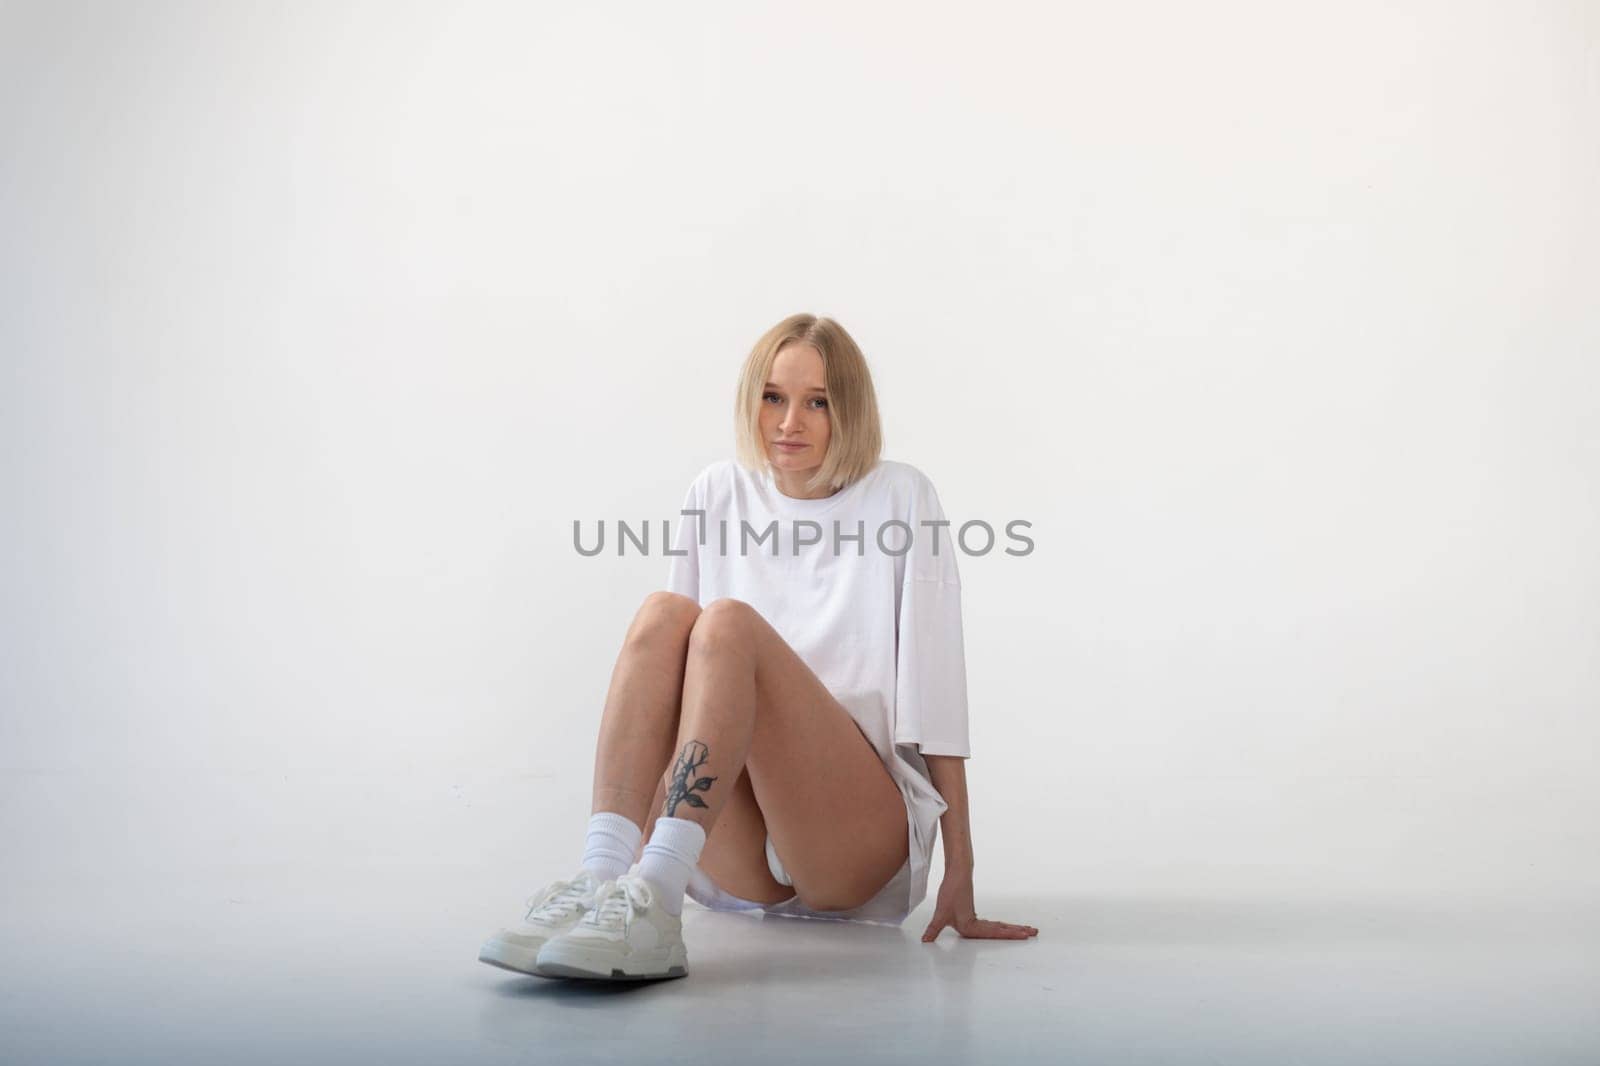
[612,842]
[669,858]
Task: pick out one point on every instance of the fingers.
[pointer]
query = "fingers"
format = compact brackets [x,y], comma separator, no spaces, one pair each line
[985,929]
[980,929]
[1025,930]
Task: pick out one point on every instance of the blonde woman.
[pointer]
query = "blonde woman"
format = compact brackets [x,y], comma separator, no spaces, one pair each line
[787,721]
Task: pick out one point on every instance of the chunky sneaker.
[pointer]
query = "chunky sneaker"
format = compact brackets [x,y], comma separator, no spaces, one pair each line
[552,910]
[627,936]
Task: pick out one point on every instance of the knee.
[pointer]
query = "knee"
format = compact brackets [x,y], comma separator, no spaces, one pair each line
[663,616]
[722,625]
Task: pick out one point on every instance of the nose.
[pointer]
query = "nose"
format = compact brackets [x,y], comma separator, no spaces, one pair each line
[791,418]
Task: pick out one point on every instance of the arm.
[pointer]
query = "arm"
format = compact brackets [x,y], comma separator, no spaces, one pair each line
[954,907]
[931,708]
[949,773]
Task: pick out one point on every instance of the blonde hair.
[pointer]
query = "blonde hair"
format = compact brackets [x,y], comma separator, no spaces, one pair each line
[855,436]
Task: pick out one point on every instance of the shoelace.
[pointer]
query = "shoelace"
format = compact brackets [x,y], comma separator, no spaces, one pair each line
[618,901]
[558,901]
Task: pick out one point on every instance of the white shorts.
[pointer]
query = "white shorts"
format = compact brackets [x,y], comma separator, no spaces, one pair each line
[887,907]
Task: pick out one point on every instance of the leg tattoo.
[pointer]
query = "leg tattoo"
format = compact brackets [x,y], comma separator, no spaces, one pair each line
[683,787]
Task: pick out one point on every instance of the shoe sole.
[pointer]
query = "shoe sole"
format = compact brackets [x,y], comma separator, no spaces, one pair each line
[559,959]
[513,957]
[558,969]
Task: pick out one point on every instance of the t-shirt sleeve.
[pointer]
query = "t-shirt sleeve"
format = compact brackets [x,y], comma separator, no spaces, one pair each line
[683,571]
[931,666]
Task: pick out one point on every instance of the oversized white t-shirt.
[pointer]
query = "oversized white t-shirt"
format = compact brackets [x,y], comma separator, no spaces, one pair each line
[878,620]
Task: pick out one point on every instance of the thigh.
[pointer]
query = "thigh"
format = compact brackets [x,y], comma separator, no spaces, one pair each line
[836,817]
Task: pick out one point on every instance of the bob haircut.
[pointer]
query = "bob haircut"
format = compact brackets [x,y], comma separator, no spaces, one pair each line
[855,436]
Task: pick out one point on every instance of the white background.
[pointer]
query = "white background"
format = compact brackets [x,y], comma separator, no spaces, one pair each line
[321,325]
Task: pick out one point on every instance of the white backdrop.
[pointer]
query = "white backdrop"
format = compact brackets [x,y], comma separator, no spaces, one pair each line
[321,325]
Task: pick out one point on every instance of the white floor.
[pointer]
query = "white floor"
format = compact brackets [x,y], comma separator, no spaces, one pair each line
[185,917]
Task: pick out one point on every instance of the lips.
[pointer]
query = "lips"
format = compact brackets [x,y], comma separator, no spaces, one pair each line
[791,446]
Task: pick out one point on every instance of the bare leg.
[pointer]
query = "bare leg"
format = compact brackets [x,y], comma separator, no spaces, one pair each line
[719,704]
[640,721]
[751,704]
[637,732]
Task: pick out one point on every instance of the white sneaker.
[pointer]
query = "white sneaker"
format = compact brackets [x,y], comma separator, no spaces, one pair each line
[627,936]
[552,910]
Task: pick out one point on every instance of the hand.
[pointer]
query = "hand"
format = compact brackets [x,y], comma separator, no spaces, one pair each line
[954,908]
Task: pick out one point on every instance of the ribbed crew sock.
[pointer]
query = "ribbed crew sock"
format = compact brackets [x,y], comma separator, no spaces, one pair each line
[669,858]
[612,843]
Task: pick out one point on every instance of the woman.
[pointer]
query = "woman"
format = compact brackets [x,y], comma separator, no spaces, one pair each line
[801,683]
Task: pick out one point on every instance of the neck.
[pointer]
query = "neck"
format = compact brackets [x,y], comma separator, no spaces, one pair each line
[792,483]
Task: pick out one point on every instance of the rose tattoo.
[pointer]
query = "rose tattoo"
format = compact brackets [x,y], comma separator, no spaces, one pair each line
[682,790]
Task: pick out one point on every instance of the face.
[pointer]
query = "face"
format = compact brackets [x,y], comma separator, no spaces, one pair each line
[794,407]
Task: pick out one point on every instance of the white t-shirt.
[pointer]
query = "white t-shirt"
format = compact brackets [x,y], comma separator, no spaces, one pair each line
[878,620]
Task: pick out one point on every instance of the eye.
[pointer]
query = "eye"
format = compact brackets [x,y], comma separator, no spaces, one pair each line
[821,403]
[769,396]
